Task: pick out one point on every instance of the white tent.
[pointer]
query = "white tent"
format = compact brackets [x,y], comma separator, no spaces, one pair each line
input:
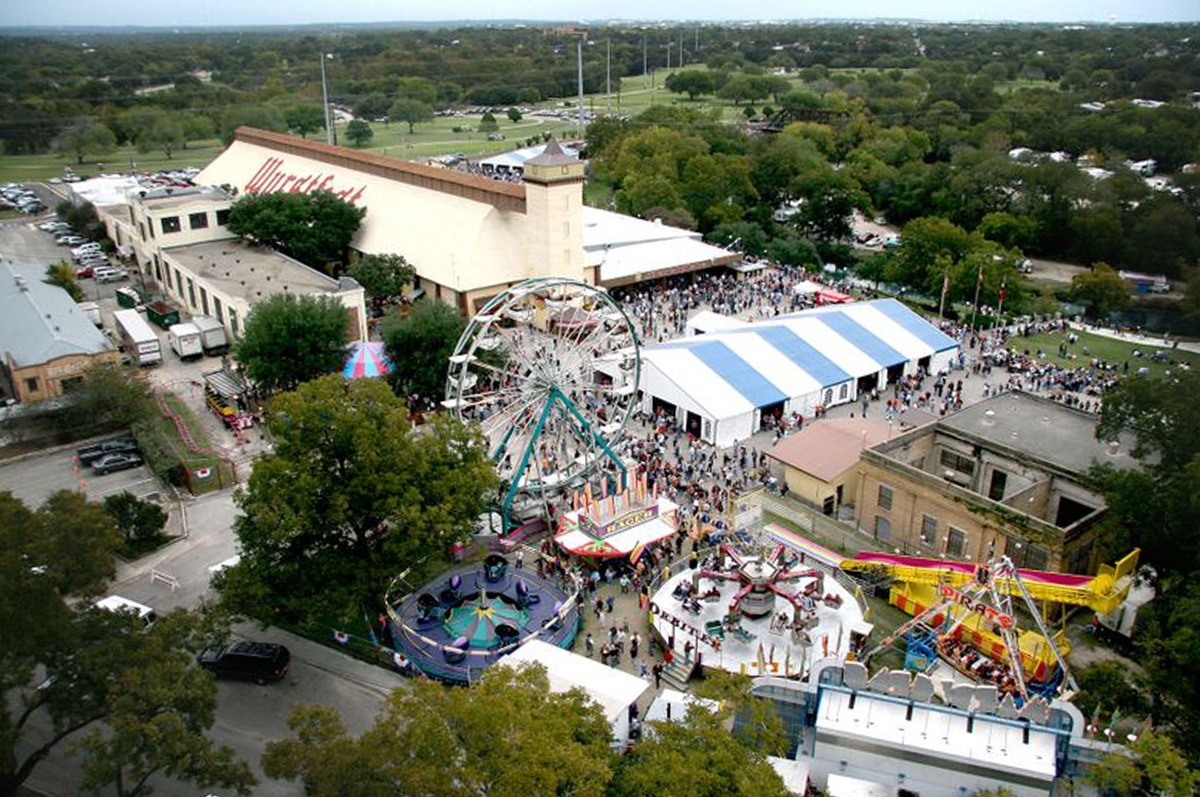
[613,689]
[718,385]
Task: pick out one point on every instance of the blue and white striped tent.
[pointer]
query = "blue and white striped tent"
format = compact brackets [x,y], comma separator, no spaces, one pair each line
[718,385]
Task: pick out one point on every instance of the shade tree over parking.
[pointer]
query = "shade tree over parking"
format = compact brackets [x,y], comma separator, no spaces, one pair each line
[350,497]
[67,669]
[507,736]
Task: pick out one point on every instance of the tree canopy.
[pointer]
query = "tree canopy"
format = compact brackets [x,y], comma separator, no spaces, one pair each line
[383,277]
[1102,290]
[350,497]
[66,668]
[420,344]
[314,228]
[507,736]
[290,339]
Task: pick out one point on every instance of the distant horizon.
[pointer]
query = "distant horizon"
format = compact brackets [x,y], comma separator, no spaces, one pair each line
[143,14]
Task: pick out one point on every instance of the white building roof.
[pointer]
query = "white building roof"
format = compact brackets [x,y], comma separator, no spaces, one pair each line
[992,743]
[106,189]
[733,371]
[517,158]
[40,323]
[630,249]
[613,689]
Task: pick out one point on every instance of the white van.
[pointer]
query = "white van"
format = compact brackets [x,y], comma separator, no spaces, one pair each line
[115,603]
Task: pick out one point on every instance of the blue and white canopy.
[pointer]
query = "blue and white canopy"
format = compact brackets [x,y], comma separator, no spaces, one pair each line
[759,364]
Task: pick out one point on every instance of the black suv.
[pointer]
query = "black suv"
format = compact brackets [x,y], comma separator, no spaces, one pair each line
[257,661]
[89,454]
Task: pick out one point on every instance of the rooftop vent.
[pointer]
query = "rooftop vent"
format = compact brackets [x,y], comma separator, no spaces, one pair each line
[989,418]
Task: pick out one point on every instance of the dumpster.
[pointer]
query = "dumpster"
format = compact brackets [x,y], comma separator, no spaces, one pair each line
[162,314]
[128,298]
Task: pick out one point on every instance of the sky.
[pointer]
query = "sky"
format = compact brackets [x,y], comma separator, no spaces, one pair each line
[156,13]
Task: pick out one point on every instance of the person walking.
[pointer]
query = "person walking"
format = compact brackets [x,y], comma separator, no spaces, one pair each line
[635,642]
[520,559]
[657,669]
[590,645]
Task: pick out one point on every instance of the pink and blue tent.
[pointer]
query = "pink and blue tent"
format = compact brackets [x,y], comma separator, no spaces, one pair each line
[366,360]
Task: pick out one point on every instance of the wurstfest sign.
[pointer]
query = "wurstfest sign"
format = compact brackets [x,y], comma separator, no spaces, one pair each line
[274,177]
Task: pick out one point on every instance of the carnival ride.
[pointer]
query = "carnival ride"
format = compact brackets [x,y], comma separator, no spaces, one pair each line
[463,622]
[535,368]
[746,608]
[964,613]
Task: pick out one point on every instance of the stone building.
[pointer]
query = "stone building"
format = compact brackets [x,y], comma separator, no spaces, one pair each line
[1005,476]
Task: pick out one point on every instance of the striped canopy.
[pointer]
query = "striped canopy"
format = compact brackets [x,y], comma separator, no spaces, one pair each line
[366,360]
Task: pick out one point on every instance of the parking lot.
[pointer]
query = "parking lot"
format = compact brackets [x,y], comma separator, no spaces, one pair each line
[34,477]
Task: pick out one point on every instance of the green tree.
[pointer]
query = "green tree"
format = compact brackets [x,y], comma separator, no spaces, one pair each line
[756,722]
[349,498]
[1101,289]
[314,228]
[86,139]
[692,82]
[417,88]
[697,757]
[155,721]
[383,277]
[420,344]
[110,396]
[139,522]
[1104,686]
[63,668]
[62,274]
[928,247]
[290,339]
[359,132]
[830,199]
[304,119]
[159,130]
[507,736]
[488,123]
[513,115]
[410,112]
[1009,230]
[1151,765]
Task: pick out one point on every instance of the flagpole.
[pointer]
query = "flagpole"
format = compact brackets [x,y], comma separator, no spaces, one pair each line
[945,287]
[975,307]
[1000,309]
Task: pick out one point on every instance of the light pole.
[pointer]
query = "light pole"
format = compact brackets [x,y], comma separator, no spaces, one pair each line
[329,137]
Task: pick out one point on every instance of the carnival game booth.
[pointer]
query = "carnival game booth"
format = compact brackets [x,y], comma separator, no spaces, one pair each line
[756,611]
[617,525]
[461,623]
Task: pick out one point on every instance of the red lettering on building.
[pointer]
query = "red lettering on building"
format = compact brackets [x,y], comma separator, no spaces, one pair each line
[271,177]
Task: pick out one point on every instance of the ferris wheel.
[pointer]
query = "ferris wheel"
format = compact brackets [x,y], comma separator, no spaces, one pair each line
[550,369]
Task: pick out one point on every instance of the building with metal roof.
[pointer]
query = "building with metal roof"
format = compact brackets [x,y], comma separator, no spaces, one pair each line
[720,386]
[46,339]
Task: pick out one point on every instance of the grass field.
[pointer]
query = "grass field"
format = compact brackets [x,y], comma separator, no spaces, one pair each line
[1105,348]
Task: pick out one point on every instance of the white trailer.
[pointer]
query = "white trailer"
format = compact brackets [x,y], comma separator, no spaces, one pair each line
[185,341]
[212,335]
[137,338]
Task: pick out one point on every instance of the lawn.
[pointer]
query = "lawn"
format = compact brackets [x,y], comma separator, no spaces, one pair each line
[1105,348]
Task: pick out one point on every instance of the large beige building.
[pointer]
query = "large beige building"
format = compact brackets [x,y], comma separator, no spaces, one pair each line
[1002,477]
[469,237]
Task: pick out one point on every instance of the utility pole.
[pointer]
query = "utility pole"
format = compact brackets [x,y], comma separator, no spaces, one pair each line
[325,101]
[579,64]
[645,62]
[608,79]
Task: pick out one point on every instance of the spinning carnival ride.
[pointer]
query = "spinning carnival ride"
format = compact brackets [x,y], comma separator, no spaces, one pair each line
[550,369]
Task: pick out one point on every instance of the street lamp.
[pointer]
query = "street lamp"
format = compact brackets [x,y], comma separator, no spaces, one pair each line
[330,138]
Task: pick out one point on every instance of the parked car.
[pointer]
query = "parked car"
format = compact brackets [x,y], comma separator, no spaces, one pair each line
[83,249]
[54,227]
[256,661]
[84,271]
[89,454]
[115,603]
[110,274]
[70,240]
[114,462]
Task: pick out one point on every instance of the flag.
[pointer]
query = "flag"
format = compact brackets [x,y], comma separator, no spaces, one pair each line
[637,552]
[945,282]
[979,282]
[1003,285]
